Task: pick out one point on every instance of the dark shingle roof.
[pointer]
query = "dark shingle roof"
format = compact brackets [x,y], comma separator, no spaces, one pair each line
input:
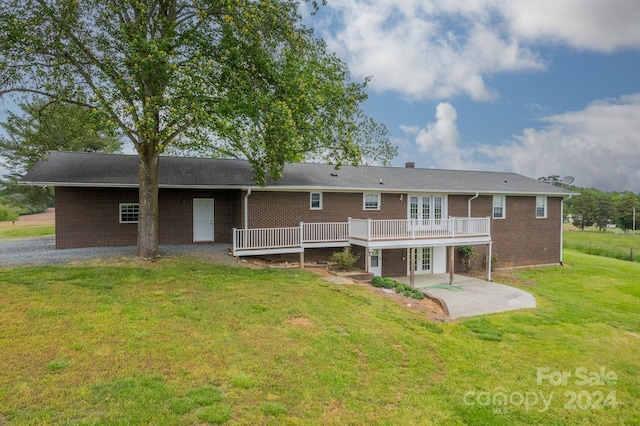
[116,170]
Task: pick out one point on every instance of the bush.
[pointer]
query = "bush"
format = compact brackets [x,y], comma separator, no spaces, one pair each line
[384,282]
[377,282]
[468,253]
[345,258]
[404,289]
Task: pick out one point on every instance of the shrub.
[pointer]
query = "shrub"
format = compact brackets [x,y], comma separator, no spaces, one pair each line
[377,282]
[345,258]
[417,294]
[388,283]
[467,254]
[384,282]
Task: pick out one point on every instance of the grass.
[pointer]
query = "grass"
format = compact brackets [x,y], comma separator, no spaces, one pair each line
[607,244]
[182,342]
[26,231]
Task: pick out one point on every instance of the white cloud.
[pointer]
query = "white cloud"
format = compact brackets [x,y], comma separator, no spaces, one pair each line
[597,25]
[598,145]
[436,49]
[439,141]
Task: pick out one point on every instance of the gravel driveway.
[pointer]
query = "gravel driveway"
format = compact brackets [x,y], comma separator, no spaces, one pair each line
[41,251]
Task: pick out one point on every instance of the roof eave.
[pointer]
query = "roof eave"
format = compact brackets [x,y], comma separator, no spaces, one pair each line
[291,188]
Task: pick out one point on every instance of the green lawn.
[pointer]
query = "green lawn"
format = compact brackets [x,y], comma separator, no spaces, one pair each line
[26,231]
[608,244]
[183,342]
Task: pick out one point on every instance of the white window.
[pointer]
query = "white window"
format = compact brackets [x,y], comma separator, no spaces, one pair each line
[315,200]
[371,201]
[499,206]
[541,207]
[129,212]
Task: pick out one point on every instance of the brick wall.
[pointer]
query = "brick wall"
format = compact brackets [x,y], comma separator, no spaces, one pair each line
[520,239]
[269,209]
[89,217]
[394,263]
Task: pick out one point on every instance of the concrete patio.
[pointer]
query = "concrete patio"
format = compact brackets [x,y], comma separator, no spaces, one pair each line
[471,296]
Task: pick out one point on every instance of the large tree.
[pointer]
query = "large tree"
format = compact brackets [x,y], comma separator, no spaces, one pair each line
[44,126]
[592,207]
[627,209]
[228,77]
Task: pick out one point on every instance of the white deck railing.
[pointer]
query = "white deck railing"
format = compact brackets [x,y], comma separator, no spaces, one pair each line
[399,229]
[265,238]
[246,240]
[323,232]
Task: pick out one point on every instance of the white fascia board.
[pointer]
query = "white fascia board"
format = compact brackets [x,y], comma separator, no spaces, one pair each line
[401,190]
[434,242]
[298,188]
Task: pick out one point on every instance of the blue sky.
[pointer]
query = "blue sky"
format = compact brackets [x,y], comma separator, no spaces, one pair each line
[540,88]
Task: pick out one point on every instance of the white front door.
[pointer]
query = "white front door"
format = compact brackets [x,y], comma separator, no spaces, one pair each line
[203,219]
[375,262]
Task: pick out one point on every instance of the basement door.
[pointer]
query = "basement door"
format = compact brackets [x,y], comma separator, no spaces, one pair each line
[375,262]
[202,219]
[422,259]
[429,260]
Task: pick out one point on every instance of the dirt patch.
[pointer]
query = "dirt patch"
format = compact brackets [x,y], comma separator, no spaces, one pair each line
[425,306]
[47,218]
[301,321]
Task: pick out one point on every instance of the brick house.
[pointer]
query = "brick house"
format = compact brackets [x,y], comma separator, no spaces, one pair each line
[395,218]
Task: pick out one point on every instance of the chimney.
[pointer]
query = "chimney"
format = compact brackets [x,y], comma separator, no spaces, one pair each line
[410,165]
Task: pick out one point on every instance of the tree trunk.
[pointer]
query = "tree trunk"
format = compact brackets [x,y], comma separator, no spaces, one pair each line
[148,214]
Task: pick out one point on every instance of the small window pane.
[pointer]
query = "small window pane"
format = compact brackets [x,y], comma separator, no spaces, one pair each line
[541,207]
[414,207]
[129,212]
[316,201]
[498,206]
[371,201]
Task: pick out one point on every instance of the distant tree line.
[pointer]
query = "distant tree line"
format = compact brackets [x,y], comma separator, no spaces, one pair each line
[594,207]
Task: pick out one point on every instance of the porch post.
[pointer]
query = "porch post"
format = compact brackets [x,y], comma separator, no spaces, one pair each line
[302,245]
[235,246]
[451,264]
[412,266]
[489,256]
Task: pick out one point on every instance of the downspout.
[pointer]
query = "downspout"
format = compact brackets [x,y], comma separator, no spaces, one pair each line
[562,227]
[246,208]
[469,203]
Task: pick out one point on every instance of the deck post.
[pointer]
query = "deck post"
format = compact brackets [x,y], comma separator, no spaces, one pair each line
[412,266]
[301,233]
[451,264]
[369,229]
[234,241]
[489,259]
[302,259]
